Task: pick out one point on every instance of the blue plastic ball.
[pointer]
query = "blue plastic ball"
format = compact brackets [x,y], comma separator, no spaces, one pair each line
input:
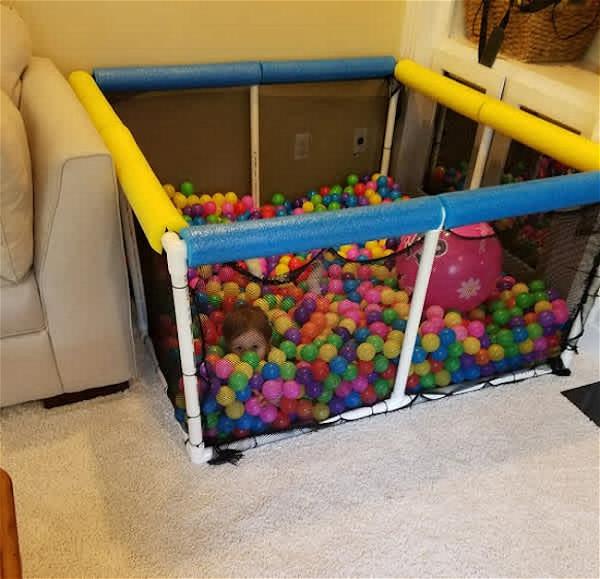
[209,405]
[399,324]
[244,422]
[447,336]
[440,354]
[458,377]
[361,334]
[520,334]
[338,364]
[270,371]
[472,372]
[419,355]
[225,424]
[382,181]
[353,400]
[242,396]
[501,365]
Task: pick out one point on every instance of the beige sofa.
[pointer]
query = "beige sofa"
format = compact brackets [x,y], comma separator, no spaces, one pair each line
[65,322]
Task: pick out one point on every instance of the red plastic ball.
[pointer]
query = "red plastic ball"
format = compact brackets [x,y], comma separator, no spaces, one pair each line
[304,410]
[413,381]
[239,208]
[435,366]
[365,367]
[320,369]
[324,191]
[282,421]
[288,406]
[295,263]
[390,373]
[267,211]
[368,395]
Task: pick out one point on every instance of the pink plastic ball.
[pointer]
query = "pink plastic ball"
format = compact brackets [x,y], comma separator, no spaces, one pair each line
[291,389]
[464,271]
[223,368]
[336,286]
[298,211]
[226,273]
[364,272]
[379,329]
[560,315]
[461,332]
[268,413]
[335,271]
[345,307]
[253,407]
[371,185]
[352,253]
[210,208]
[476,329]
[228,209]
[248,203]
[354,315]
[434,312]
[344,389]
[372,296]
[364,287]
[428,327]
[540,344]
[272,390]
[437,324]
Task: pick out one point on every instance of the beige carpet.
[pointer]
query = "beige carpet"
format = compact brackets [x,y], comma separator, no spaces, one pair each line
[502,482]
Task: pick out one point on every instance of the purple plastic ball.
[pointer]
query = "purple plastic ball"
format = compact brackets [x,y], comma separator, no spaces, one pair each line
[546,318]
[304,376]
[256,382]
[485,341]
[302,315]
[516,322]
[362,201]
[348,353]
[309,304]
[314,389]
[293,335]
[197,210]
[487,369]
[336,405]
[343,333]
[373,377]
[553,294]
[529,359]
[467,361]
[549,330]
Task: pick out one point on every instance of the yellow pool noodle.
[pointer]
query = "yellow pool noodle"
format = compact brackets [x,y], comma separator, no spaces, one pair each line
[143,190]
[444,90]
[563,145]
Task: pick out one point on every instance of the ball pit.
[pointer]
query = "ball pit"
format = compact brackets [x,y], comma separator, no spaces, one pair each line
[338,325]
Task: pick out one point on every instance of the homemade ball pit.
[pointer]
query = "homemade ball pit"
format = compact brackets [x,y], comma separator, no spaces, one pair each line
[349,341]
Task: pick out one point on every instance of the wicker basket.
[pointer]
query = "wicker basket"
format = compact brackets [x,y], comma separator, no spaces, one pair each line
[533,37]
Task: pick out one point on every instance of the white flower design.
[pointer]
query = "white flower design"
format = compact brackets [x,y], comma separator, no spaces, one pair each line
[469,288]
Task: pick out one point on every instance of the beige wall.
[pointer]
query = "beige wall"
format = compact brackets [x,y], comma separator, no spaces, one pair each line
[82,34]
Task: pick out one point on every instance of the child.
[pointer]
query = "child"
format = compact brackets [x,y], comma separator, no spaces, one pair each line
[248,329]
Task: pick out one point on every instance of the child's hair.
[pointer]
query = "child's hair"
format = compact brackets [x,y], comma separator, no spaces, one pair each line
[246,318]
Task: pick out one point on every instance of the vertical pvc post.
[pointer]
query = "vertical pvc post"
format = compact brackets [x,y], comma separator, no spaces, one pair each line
[177,262]
[414,315]
[482,155]
[388,139]
[255,144]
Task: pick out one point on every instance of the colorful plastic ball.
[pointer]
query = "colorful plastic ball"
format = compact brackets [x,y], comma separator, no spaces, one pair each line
[535,331]
[293,335]
[377,343]
[471,345]
[442,378]
[496,352]
[187,188]
[447,336]
[391,349]
[237,381]
[223,369]
[434,312]
[520,334]
[251,358]
[309,352]
[472,373]
[225,396]
[268,413]
[458,377]
[452,364]
[288,370]
[476,328]
[272,389]
[501,316]
[427,381]
[365,351]
[235,410]
[430,342]
[270,371]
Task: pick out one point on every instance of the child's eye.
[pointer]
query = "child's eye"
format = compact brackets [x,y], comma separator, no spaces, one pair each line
[254,347]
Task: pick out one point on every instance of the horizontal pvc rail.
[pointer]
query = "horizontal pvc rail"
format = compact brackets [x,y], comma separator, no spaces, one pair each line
[222,243]
[490,203]
[143,190]
[177,77]
[571,149]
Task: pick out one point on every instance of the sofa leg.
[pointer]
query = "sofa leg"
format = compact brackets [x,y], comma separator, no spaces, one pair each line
[72,397]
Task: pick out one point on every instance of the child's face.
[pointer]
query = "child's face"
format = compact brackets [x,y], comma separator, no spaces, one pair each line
[249,341]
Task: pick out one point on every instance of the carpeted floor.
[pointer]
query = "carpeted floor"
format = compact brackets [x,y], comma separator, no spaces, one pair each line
[502,482]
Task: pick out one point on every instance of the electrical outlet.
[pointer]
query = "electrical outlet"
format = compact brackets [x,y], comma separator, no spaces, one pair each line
[301,146]
[360,141]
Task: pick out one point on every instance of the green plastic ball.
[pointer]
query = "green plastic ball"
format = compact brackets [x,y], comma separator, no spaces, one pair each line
[318,342]
[212,419]
[289,349]
[212,219]
[516,312]
[427,381]
[350,373]
[380,363]
[504,338]
[287,303]
[317,200]
[535,331]
[501,316]
[278,199]
[251,358]
[334,206]
[452,364]
[492,329]
[336,190]
[524,300]
[382,387]
[237,381]
[287,370]
[271,300]
[187,188]
[215,301]
[320,208]
[496,305]
[540,296]
[511,350]
[537,285]
[332,381]
[352,179]
[376,341]
[309,352]
[389,315]
[335,340]
[325,396]
[455,350]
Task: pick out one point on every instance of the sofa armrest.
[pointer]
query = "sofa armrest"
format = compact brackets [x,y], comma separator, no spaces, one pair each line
[79,260]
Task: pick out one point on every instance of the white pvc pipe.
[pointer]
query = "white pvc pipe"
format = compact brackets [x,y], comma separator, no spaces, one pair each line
[177,261]
[415,312]
[255,144]
[135,269]
[388,139]
[483,152]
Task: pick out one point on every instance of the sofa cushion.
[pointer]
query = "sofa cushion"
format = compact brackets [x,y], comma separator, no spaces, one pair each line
[16,196]
[20,307]
[15,52]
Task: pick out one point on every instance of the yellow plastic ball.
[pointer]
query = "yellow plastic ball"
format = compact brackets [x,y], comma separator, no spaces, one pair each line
[285,259]
[283,324]
[225,396]
[262,304]
[233,358]
[213,287]
[496,352]
[245,368]
[180,200]
[375,176]
[526,346]
[331,319]
[277,356]
[471,345]
[369,193]
[235,410]
[422,368]
[350,268]
[193,199]
[308,207]
[281,269]
[231,197]
[371,244]
[391,349]
[387,296]
[349,324]
[169,189]
[320,411]
[520,288]
[253,291]
[442,378]
[401,297]
[402,310]
[396,336]
[542,306]
[218,199]
[505,295]
[205,198]
[365,352]
[375,199]
[452,319]
[430,342]
[205,271]
[327,352]
[231,289]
